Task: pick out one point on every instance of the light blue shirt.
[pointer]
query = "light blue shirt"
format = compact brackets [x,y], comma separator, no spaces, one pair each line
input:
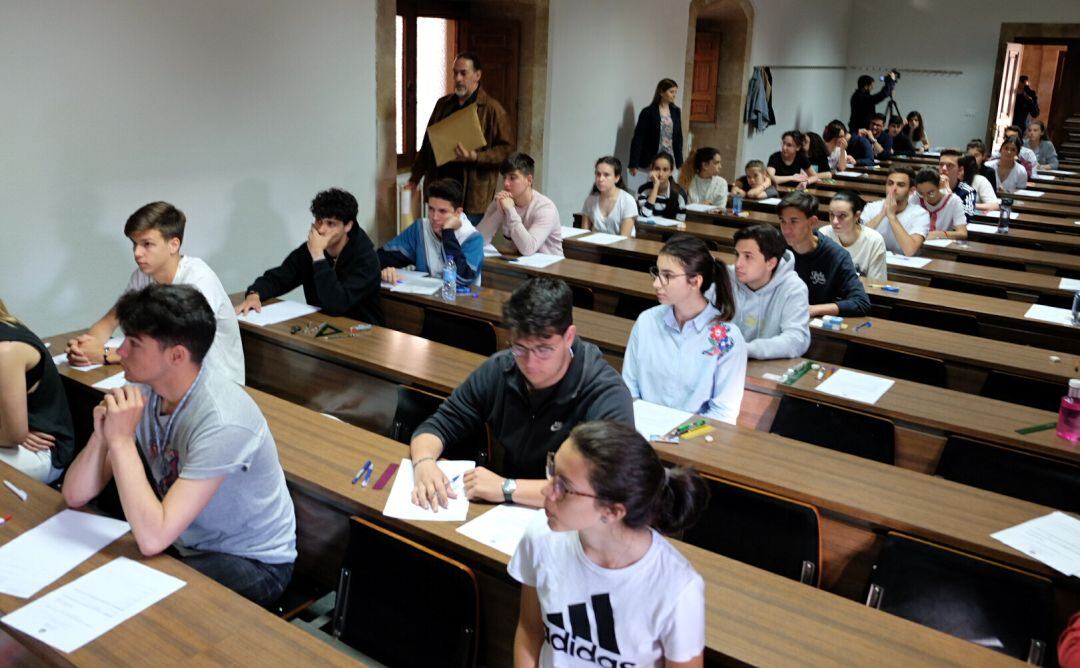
[700,368]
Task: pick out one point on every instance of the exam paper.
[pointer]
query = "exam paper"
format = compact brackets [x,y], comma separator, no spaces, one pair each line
[1061,172]
[982,228]
[939,243]
[501,527]
[114,343]
[768,200]
[850,174]
[1053,539]
[653,420]
[905,261]
[399,503]
[419,285]
[40,555]
[112,382]
[90,606]
[1024,192]
[277,312]
[1069,284]
[855,386]
[661,221]
[571,232]
[491,251]
[1059,316]
[701,208]
[1044,177]
[603,238]
[538,260]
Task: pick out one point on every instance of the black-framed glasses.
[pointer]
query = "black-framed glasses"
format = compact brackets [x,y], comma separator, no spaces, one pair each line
[664,276]
[558,485]
[541,352]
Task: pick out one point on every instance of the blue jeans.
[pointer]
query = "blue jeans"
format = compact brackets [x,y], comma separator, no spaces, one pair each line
[258,582]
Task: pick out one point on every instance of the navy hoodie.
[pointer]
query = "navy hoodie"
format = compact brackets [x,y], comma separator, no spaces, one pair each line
[830,276]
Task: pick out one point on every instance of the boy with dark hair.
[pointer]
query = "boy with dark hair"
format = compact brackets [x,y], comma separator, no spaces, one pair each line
[531,396]
[217,492]
[836,139]
[156,231]
[337,265]
[901,143]
[903,226]
[946,209]
[863,103]
[430,242]
[827,269]
[526,217]
[880,141]
[771,302]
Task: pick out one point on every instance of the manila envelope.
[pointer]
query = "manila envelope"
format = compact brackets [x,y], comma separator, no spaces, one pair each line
[461,127]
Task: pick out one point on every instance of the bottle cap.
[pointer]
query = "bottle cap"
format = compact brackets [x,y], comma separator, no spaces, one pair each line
[1074,383]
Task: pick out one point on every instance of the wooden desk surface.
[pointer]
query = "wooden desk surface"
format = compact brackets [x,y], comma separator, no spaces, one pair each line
[1065,196]
[203,623]
[1058,183]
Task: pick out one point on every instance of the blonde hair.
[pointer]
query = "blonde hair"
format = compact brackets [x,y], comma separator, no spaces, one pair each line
[5,316]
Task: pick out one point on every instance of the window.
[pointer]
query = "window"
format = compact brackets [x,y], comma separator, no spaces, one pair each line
[425,44]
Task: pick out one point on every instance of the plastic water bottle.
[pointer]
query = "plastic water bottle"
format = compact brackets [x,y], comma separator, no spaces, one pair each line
[1068,426]
[1006,215]
[1076,309]
[736,204]
[449,280]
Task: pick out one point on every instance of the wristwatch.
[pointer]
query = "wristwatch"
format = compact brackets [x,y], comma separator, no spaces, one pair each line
[508,487]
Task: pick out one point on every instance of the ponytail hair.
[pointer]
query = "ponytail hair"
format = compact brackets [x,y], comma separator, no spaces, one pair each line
[5,315]
[624,469]
[697,260]
[616,166]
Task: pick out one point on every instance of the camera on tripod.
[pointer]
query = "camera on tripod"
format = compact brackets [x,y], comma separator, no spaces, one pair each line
[894,72]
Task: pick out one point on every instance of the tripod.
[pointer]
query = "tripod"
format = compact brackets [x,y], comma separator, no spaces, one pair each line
[891,109]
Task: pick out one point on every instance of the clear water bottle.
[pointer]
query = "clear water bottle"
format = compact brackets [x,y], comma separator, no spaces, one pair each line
[736,204]
[1076,309]
[1006,215]
[449,280]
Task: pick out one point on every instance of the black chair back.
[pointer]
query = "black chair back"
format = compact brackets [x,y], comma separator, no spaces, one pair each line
[415,405]
[896,364]
[960,323]
[1031,392]
[835,428]
[461,331]
[630,307]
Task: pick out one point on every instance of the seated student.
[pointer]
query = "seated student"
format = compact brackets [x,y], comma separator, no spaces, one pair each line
[880,141]
[1011,175]
[915,131]
[428,242]
[956,178]
[817,153]
[946,209]
[1045,154]
[983,180]
[36,432]
[861,150]
[686,353]
[836,138]
[1068,650]
[903,226]
[832,282]
[610,207]
[531,395]
[156,231]
[608,499]
[790,165]
[337,265]
[705,185]
[977,149]
[1026,156]
[216,490]
[524,216]
[865,245]
[772,309]
[755,184]
[661,196]
[901,143]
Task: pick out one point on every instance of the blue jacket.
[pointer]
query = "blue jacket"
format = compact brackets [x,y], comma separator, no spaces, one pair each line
[408,248]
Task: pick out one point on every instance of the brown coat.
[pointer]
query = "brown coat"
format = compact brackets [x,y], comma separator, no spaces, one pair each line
[482,176]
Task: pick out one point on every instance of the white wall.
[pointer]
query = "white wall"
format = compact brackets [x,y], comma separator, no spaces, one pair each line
[949,35]
[237,112]
[604,59]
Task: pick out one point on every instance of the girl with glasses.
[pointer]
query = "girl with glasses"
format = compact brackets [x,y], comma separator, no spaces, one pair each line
[686,353]
[598,578]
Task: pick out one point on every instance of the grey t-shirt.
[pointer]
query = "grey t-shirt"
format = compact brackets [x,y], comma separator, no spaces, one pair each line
[220,431]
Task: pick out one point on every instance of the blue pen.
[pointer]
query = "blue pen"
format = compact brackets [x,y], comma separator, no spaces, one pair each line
[367,476]
[864,325]
[367,466]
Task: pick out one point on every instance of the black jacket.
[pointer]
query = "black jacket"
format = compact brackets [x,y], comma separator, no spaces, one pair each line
[830,277]
[347,286]
[863,105]
[497,393]
[646,142]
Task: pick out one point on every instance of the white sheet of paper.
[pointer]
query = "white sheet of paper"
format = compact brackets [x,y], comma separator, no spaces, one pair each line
[1029,193]
[982,228]
[425,285]
[661,221]
[277,312]
[1044,177]
[701,208]
[769,200]
[655,420]
[112,382]
[538,260]
[92,605]
[1059,316]
[855,386]
[1053,539]
[491,251]
[603,238]
[938,243]
[1062,172]
[399,503]
[850,174]
[114,342]
[501,527]
[905,261]
[39,556]
[1069,284]
[817,322]
[571,232]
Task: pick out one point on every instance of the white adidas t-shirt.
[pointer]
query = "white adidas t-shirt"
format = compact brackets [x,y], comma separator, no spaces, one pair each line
[226,352]
[913,219]
[628,617]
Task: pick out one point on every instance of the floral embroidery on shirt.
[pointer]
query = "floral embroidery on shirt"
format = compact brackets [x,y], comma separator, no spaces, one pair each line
[720,338]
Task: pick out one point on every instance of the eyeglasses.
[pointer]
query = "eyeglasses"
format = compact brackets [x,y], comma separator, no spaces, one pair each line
[558,485]
[664,276]
[539,352]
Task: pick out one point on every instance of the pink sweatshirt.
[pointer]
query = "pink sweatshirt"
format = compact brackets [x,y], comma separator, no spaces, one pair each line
[533,229]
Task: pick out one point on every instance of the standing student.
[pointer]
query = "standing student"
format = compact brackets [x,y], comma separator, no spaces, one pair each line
[915,130]
[36,433]
[1011,175]
[946,209]
[156,232]
[863,103]
[216,489]
[599,547]
[864,244]
[705,185]
[686,353]
[755,183]
[658,129]
[529,219]
[772,308]
[1026,105]
[904,226]
[789,165]
[430,242]
[610,207]
[832,282]
[1045,153]
[661,195]
[337,265]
